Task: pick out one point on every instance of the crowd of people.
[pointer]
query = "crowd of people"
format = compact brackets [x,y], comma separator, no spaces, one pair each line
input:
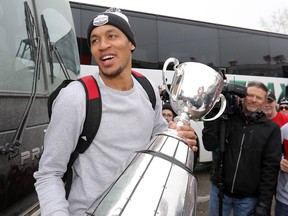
[246,163]
[254,155]
[253,160]
[250,163]
[281,206]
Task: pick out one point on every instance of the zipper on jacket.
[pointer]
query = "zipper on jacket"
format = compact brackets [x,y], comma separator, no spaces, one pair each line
[237,165]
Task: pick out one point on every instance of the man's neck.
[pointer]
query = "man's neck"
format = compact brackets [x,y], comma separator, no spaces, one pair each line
[122,82]
[273,115]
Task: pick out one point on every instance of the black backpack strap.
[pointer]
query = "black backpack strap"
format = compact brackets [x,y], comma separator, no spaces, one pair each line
[147,87]
[93,113]
[90,128]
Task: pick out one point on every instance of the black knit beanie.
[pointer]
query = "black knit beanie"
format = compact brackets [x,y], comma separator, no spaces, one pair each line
[284,100]
[168,106]
[112,16]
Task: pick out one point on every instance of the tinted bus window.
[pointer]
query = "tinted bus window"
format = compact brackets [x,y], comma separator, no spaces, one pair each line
[17,49]
[278,49]
[146,53]
[187,42]
[243,52]
[278,55]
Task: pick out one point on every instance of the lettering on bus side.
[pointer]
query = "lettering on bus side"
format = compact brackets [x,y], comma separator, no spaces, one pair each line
[34,154]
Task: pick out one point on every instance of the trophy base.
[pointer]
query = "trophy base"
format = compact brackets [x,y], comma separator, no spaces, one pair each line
[159,181]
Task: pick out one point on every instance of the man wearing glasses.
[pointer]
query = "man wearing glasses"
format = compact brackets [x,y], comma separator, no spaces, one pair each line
[283,105]
[167,112]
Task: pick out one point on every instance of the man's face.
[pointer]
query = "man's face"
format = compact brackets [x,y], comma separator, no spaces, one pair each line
[283,108]
[111,50]
[255,99]
[167,114]
[269,107]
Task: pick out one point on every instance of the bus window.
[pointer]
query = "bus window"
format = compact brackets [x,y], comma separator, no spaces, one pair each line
[17,48]
[58,36]
[146,53]
[237,55]
[279,55]
[188,42]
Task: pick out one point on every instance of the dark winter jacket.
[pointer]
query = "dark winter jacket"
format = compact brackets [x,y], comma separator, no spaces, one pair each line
[251,155]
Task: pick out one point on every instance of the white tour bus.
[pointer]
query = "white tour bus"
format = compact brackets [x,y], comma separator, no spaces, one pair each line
[244,54]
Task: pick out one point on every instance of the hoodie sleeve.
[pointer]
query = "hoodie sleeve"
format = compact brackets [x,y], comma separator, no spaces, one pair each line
[60,141]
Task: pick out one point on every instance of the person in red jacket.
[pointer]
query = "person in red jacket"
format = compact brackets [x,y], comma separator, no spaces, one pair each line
[270,110]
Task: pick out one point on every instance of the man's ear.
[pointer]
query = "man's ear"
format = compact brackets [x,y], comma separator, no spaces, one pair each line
[132,47]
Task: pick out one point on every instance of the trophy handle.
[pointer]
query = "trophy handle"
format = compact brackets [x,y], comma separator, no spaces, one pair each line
[167,62]
[222,109]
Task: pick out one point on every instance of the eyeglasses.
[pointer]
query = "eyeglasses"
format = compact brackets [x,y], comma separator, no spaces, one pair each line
[283,108]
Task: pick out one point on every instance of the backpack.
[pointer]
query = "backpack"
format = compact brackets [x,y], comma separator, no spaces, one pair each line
[93,116]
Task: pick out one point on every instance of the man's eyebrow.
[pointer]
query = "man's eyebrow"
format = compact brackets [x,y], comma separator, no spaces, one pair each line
[107,31]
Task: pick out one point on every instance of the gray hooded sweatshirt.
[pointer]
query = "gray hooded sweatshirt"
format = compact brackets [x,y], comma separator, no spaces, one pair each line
[128,123]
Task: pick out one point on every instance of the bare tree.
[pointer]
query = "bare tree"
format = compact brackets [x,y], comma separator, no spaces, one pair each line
[278,23]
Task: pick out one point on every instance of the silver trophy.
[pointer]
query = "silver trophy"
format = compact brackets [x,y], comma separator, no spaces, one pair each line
[160,180]
[194,90]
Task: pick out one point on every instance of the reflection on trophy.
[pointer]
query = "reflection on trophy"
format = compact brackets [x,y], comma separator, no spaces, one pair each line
[194,90]
[160,179]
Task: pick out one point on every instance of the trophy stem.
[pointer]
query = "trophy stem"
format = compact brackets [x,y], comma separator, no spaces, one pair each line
[182,119]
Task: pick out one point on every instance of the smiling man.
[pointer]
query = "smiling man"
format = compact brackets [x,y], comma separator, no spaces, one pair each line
[250,157]
[128,123]
[270,110]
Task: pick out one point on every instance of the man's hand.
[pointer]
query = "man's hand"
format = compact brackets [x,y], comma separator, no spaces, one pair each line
[284,165]
[187,133]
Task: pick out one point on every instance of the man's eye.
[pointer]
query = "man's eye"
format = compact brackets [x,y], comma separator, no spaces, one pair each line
[112,36]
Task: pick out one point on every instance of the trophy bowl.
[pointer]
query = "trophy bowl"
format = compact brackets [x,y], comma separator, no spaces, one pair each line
[195,89]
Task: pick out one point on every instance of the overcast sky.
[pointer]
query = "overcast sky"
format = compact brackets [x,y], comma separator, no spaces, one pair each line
[241,13]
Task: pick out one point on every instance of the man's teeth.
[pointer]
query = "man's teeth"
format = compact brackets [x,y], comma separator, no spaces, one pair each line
[107,57]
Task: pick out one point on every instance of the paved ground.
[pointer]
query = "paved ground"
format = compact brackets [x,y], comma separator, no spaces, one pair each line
[202,172]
